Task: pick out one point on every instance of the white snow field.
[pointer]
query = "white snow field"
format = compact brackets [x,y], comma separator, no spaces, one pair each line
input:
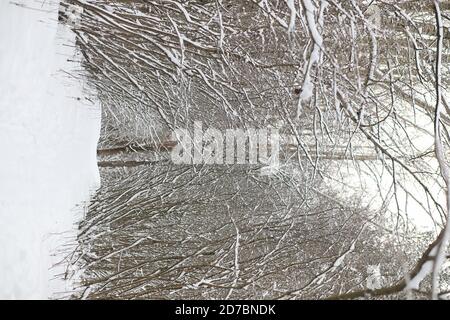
[48,136]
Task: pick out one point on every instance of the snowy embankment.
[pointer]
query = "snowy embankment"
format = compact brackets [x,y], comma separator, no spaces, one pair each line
[48,137]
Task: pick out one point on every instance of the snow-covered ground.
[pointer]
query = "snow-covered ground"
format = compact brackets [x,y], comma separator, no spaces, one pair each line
[48,137]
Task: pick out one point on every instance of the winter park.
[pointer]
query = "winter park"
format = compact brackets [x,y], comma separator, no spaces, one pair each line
[224,150]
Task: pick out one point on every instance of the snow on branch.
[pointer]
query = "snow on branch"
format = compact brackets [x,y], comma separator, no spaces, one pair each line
[314,58]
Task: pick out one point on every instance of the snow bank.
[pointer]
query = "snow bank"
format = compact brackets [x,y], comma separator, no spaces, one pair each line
[48,137]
